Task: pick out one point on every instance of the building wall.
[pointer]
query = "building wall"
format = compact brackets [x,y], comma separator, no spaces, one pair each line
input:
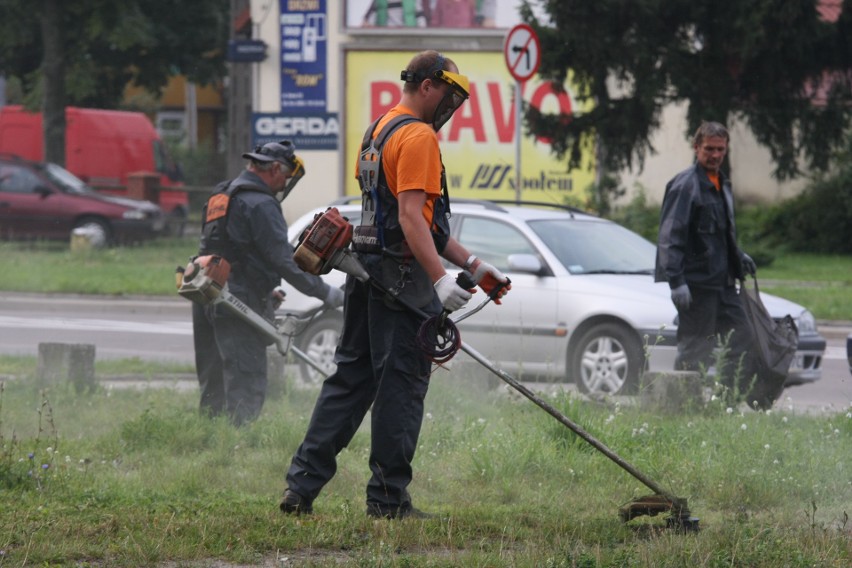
[327,174]
[750,164]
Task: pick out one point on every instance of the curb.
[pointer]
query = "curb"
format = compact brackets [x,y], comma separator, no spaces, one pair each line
[834,329]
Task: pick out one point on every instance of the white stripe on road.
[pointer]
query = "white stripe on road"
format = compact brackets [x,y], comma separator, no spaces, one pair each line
[85,324]
[838,353]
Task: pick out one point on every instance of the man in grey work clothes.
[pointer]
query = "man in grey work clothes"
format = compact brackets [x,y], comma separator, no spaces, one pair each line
[242,222]
[697,254]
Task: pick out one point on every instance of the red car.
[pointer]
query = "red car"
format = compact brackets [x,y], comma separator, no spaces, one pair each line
[41,200]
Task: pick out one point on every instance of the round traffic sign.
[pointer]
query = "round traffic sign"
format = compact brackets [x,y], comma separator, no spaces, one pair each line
[522,52]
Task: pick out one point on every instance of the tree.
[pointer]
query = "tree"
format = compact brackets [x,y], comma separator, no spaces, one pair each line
[781,67]
[85,52]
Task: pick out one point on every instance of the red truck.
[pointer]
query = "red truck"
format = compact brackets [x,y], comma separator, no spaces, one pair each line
[101,148]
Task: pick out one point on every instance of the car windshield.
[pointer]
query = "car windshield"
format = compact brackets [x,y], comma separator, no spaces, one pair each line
[596,247]
[65,179]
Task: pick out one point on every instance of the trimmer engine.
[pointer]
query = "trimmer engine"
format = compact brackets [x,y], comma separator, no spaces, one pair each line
[324,245]
[203,278]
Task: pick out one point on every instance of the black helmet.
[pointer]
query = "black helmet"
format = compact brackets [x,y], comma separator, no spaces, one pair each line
[283,151]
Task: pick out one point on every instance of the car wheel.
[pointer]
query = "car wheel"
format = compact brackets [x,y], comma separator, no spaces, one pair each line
[607,360]
[319,342]
[96,230]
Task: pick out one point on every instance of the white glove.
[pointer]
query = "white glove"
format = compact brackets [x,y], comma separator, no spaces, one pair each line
[682,297]
[488,278]
[484,268]
[453,297]
[334,298]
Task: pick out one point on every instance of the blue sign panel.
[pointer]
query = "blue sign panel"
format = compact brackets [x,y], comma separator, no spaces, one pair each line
[246,50]
[304,43]
[308,131]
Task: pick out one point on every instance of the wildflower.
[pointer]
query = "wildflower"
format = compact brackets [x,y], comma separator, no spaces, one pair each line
[49,450]
[67,459]
[743,427]
[609,419]
[766,446]
[428,416]
[45,466]
[729,410]
[31,455]
[480,420]
[784,420]
[703,444]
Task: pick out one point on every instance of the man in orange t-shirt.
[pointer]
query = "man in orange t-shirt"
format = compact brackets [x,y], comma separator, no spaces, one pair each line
[403,234]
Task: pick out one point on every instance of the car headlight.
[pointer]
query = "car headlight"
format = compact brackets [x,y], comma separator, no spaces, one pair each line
[135,214]
[806,322]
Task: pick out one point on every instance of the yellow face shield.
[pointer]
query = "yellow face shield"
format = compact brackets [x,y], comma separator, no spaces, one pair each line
[458,93]
[297,172]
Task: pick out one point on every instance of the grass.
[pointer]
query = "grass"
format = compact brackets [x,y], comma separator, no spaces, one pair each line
[138,478]
[822,283]
[48,267]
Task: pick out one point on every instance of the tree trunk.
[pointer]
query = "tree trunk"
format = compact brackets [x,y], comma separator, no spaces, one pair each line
[53,87]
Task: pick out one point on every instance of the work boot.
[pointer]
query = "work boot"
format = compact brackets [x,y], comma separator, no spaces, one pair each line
[295,504]
[406,511]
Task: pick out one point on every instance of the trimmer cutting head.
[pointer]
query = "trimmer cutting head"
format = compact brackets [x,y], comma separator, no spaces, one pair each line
[652,505]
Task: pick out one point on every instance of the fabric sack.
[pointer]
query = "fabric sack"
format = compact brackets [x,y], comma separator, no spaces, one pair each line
[775,345]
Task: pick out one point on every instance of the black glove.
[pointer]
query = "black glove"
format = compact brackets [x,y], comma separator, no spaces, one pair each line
[682,297]
[748,265]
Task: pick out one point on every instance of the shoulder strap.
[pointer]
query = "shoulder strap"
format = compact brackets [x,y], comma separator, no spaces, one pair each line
[391,127]
[369,161]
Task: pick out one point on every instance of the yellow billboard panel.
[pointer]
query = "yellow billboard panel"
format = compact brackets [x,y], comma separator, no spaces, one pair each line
[478,143]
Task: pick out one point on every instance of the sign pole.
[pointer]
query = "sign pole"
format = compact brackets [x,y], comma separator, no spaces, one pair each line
[522,52]
[518,107]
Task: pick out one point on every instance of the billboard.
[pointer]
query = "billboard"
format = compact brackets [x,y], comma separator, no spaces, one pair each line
[304,42]
[365,15]
[478,143]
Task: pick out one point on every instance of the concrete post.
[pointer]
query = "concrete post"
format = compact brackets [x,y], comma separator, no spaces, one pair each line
[671,391]
[66,362]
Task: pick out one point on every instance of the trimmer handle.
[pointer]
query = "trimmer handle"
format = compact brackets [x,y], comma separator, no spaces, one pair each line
[494,286]
[465,280]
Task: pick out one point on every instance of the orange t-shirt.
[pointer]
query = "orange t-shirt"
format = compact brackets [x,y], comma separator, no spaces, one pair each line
[714,179]
[411,159]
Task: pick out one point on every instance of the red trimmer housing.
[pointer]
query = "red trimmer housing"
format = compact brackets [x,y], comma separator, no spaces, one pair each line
[323,241]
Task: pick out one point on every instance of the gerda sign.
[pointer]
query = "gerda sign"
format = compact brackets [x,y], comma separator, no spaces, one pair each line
[477,144]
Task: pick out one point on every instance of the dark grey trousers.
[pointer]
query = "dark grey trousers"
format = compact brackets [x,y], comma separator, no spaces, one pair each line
[713,315]
[378,364]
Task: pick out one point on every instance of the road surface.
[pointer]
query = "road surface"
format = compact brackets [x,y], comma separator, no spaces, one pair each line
[160,329]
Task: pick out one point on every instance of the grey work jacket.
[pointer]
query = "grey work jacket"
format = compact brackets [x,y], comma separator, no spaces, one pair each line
[697,242]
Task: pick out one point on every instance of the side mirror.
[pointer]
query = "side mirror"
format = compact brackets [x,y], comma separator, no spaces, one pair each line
[528,263]
[43,190]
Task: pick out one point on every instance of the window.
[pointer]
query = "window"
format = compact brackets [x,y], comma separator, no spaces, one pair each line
[493,241]
[15,179]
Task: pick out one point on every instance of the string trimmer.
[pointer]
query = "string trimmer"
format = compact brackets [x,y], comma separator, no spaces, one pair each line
[324,246]
[205,281]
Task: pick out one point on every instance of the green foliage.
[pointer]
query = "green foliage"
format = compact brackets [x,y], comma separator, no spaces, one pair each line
[639,216]
[202,165]
[108,44]
[756,62]
[817,220]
